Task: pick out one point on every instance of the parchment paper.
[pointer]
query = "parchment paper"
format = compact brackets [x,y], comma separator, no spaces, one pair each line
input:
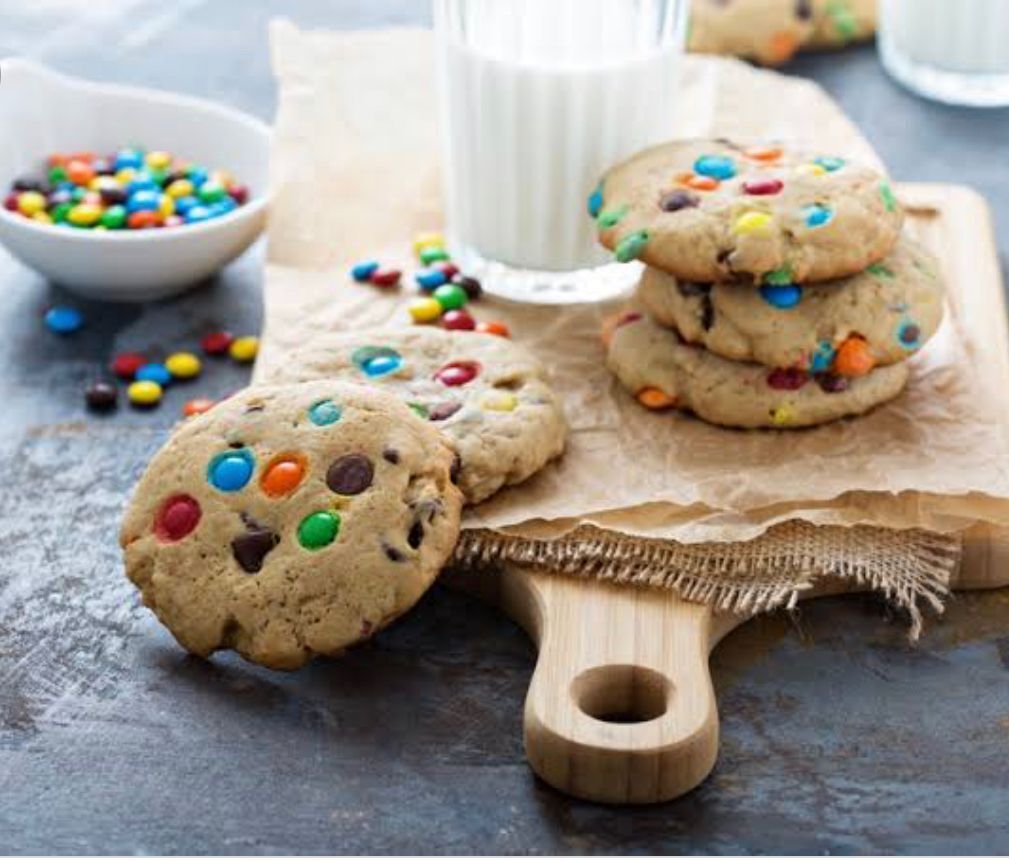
[357,129]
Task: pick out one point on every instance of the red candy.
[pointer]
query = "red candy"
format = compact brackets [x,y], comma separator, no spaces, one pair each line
[385,277]
[216,343]
[144,220]
[125,365]
[457,373]
[177,518]
[196,406]
[447,268]
[458,320]
[789,379]
[763,186]
[239,193]
[11,202]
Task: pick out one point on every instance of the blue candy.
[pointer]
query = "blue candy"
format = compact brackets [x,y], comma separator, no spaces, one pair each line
[596,201]
[429,279]
[781,295]
[143,201]
[129,158]
[184,204]
[382,365]
[197,175]
[63,320]
[142,181]
[716,166]
[816,215]
[197,214]
[155,372]
[823,358]
[231,470]
[364,270]
[324,413]
[829,163]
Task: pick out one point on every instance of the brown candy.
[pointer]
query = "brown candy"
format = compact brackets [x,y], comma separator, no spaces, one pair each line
[350,474]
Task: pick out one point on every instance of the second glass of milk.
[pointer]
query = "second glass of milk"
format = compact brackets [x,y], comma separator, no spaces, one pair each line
[538,99]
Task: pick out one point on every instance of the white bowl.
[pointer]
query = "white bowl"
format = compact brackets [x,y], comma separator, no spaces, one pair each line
[43,112]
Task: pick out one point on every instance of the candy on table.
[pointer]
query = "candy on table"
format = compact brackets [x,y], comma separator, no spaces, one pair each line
[425,310]
[63,320]
[244,349]
[430,279]
[447,268]
[83,189]
[493,327]
[183,366]
[382,277]
[144,393]
[432,254]
[450,296]
[101,396]
[154,372]
[362,272]
[473,288]
[458,320]
[430,239]
[126,365]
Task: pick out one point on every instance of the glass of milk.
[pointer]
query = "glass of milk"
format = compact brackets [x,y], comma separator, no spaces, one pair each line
[538,99]
[955,51]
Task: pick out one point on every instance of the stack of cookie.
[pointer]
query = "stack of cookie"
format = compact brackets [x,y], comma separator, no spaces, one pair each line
[779,290]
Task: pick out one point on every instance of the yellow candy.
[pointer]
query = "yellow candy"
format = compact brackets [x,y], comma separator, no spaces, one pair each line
[244,349]
[30,202]
[427,240]
[166,205]
[96,183]
[783,415]
[500,402]
[42,217]
[158,160]
[125,175]
[184,366]
[84,214]
[811,169]
[144,392]
[752,222]
[424,310]
[180,188]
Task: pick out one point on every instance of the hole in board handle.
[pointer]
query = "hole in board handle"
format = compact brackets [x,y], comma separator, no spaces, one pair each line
[622,694]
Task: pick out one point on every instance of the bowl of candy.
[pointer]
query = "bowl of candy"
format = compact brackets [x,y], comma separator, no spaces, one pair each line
[121,193]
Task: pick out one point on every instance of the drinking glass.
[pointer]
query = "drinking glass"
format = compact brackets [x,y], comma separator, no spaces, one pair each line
[538,99]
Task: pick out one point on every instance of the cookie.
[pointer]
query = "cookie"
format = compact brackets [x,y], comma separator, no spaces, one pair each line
[487,394]
[767,31]
[706,210]
[662,372]
[878,317]
[837,23]
[291,521]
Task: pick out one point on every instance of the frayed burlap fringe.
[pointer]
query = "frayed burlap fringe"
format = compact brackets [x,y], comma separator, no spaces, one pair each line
[911,568]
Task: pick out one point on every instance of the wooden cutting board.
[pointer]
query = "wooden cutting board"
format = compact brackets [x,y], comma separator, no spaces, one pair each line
[621,707]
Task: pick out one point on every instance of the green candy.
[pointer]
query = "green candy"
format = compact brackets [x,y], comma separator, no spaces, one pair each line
[59,212]
[211,191]
[879,270]
[419,409]
[318,530]
[451,297]
[57,175]
[114,218]
[779,277]
[611,217]
[630,247]
[431,255]
[158,175]
[889,201]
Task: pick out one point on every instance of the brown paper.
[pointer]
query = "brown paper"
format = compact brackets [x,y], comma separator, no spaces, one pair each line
[356,129]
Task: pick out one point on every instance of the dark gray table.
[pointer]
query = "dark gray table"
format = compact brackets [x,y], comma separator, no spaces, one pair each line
[837,736]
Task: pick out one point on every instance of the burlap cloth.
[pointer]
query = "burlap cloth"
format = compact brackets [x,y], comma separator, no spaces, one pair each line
[744,520]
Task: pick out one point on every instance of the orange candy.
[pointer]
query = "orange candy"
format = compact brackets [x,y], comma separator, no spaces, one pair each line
[196,406]
[492,327]
[853,358]
[283,474]
[144,218]
[763,153]
[698,182]
[655,399]
[79,172]
[782,47]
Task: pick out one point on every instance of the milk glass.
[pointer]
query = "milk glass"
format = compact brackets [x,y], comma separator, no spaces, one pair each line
[538,99]
[955,51]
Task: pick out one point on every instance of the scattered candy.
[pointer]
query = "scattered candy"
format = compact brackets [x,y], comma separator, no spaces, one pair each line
[144,393]
[458,320]
[318,530]
[244,349]
[853,358]
[153,372]
[781,295]
[231,470]
[183,366]
[178,516]
[100,396]
[473,288]
[63,320]
[197,406]
[94,192]
[432,254]
[363,271]
[424,310]
[216,343]
[427,240]
[451,296]
[492,327]
[752,222]
[630,247]
[126,365]
[655,399]
[385,277]
[429,279]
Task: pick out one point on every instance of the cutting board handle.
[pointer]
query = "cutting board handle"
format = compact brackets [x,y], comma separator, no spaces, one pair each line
[621,707]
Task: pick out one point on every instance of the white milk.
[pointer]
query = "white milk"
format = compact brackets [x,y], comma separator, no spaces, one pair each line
[531,124]
[957,50]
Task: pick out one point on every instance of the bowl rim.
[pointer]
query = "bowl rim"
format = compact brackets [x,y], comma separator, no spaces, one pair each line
[246,211]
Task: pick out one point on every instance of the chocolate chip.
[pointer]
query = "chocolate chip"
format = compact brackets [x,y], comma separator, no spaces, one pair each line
[444,410]
[250,548]
[803,10]
[392,553]
[910,334]
[707,312]
[674,201]
[255,407]
[428,509]
[416,534]
[787,379]
[692,288]
[455,469]
[350,474]
[391,455]
[832,383]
